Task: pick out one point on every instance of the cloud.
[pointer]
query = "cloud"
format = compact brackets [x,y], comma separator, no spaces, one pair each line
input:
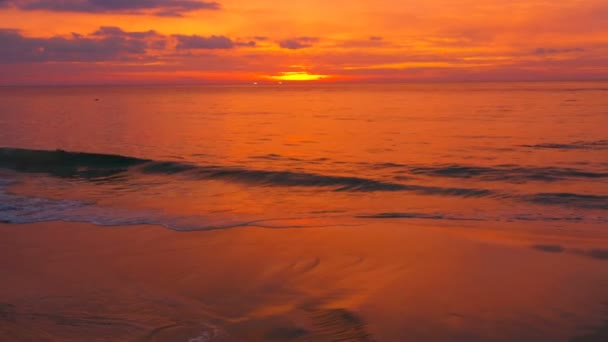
[552,51]
[370,42]
[195,42]
[250,43]
[154,7]
[298,43]
[117,31]
[106,44]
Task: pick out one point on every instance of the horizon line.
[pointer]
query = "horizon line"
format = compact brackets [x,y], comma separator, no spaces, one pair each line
[295,83]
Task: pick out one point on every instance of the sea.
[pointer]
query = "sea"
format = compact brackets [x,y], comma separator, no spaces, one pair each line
[522,156]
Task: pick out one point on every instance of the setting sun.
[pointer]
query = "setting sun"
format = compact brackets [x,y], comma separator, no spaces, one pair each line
[297,76]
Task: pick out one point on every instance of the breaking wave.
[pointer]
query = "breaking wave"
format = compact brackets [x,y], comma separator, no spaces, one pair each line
[97,166]
[102,167]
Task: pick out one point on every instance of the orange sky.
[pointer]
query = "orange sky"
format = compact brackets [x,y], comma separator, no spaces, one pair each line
[116,41]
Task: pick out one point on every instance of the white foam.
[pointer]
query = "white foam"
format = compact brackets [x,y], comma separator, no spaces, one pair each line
[21,209]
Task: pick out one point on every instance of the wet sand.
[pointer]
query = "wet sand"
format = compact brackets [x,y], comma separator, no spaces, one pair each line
[390,281]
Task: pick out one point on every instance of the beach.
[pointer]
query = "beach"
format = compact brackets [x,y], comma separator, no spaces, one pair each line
[387,282]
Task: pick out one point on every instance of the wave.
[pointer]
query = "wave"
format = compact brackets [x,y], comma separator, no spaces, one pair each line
[570,200]
[268,177]
[577,145]
[97,166]
[100,166]
[20,209]
[420,216]
[66,164]
[301,179]
[506,218]
[507,173]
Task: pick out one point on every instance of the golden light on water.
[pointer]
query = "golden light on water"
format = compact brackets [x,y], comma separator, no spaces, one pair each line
[297,76]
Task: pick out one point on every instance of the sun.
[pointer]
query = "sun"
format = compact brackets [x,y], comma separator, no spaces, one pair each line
[297,76]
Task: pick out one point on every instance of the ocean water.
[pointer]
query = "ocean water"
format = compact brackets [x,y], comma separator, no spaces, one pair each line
[488,155]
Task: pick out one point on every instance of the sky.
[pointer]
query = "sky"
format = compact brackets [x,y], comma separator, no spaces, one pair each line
[271,41]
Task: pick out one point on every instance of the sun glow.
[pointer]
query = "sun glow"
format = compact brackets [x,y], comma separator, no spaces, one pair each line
[297,76]
[315,41]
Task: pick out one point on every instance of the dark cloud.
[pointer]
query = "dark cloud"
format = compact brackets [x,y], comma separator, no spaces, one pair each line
[106,44]
[298,43]
[376,38]
[552,51]
[204,43]
[117,31]
[155,7]
[250,43]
